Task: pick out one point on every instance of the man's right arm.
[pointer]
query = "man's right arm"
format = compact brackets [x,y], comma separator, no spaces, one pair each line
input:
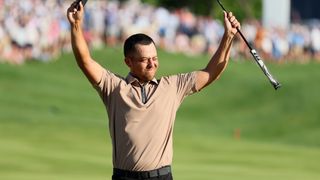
[89,67]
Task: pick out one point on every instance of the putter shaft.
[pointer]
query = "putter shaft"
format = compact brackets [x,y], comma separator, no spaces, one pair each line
[256,57]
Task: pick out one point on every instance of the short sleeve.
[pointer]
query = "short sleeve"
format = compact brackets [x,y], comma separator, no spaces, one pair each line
[107,84]
[185,84]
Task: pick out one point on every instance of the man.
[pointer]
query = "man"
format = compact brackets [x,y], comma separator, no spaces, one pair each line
[142,109]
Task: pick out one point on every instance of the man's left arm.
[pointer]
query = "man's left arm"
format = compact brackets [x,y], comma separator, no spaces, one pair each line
[220,59]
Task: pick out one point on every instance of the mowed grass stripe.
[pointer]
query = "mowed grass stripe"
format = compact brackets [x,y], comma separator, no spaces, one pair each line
[53,124]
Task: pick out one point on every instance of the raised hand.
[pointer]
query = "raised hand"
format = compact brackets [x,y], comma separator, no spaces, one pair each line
[231,23]
[75,14]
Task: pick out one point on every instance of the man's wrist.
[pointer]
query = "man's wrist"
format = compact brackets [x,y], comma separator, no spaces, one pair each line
[228,36]
[77,25]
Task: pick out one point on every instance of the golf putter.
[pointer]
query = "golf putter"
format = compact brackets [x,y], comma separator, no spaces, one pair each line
[257,58]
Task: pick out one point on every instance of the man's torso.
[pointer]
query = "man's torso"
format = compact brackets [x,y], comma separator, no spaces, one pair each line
[142,132]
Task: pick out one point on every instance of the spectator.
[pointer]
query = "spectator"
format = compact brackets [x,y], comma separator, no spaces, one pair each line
[110,22]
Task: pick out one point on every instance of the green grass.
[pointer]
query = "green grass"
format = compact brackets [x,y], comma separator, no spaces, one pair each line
[53,125]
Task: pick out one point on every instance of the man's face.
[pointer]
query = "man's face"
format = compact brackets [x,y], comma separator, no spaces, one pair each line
[144,63]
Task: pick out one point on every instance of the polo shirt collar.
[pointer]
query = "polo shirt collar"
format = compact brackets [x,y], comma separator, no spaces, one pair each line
[131,79]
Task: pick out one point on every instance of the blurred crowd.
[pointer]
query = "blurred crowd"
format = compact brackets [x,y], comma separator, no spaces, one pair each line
[32,29]
[39,30]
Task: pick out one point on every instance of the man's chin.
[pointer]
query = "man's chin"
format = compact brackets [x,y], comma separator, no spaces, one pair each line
[149,77]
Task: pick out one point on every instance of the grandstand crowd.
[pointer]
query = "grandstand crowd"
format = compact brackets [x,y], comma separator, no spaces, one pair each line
[39,30]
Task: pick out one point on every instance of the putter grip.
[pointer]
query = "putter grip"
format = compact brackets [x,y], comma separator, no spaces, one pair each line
[83,3]
[264,68]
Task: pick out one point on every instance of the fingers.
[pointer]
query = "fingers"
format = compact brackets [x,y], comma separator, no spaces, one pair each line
[80,6]
[232,19]
[75,11]
[225,14]
[72,8]
[75,6]
[70,12]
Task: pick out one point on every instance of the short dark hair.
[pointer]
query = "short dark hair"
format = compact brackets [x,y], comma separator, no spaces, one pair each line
[129,45]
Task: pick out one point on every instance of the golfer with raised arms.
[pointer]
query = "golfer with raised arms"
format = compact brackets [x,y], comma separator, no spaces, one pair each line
[142,109]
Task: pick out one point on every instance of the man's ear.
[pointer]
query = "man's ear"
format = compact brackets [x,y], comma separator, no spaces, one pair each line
[128,61]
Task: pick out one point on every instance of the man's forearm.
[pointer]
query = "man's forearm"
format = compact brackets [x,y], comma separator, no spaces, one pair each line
[220,59]
[79,45]
[89,67]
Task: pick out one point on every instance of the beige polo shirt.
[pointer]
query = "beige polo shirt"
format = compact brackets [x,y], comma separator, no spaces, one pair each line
[141,133]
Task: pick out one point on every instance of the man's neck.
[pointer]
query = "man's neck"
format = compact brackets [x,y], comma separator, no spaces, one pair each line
[143,82]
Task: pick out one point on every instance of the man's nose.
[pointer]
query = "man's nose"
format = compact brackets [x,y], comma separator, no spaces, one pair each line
[150,62]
